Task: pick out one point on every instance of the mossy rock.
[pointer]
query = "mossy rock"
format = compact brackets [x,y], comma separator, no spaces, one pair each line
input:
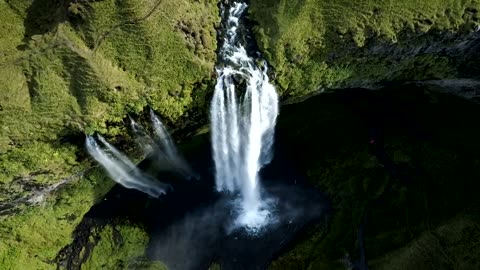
[32,236]
[418,200]
[121,247]
[317,45]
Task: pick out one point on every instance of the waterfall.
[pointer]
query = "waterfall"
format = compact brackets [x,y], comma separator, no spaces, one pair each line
[141,137]
[243,114]
[168,149]
[122,170]
[242,123]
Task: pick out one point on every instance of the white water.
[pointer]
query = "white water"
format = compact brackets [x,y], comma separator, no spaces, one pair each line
[167,147]
[142,138]
[242,125]
[121,169]
[124,172]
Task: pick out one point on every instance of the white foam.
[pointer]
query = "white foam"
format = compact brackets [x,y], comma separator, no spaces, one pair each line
[242,126]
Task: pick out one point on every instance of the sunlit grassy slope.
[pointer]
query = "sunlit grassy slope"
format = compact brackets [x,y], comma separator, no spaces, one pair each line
[66,70]
[32,236]
[74,67]
[314,44]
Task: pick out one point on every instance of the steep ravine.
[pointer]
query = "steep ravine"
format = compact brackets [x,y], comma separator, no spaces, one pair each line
[400,165]
[74,67]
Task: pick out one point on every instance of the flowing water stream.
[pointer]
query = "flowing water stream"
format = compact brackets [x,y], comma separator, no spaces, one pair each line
[123,171]
[244,110]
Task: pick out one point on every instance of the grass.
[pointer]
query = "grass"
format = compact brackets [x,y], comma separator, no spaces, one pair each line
[84,71]
[315,44]
[450,245]
[121,247]
[46,160]
[70,70]
[58,82]
[32,237]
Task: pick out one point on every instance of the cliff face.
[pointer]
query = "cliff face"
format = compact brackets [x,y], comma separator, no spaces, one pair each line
[395,203]
[317,45]
[401,166]
[74,67]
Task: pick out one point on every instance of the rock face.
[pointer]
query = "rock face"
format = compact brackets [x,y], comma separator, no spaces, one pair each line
[317,45]
[401,167]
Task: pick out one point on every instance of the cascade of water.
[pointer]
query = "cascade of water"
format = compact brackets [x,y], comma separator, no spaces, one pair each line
[167,147]
[142,137]
[242,124]
[162,136]
[122,170]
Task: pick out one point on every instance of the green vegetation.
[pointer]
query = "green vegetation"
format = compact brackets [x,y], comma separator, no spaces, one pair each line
[323,44]
[32,237]
[47,160]
[82,69]
[70,68]
[121,247]
[453,243]
[428,213]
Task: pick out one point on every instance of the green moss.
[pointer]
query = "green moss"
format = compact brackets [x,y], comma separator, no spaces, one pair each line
[315,44]
[410,68]
[83,68]
[214,266]
[37,157]
[452,244]
[13,87]
[32,237]
[121,247]
[433,181]
[158,50]
[11,24]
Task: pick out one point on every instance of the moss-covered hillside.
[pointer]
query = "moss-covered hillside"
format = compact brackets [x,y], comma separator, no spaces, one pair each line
[318,44]
[401,166]
[74,67]
[71,67]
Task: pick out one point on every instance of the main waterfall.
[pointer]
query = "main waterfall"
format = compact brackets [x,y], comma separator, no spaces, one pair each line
[243,115]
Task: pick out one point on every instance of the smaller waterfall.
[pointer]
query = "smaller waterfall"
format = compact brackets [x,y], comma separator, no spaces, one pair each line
[161,149]
[121,169]
[141,137]
[243,124]
[162,136]
[167,148]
